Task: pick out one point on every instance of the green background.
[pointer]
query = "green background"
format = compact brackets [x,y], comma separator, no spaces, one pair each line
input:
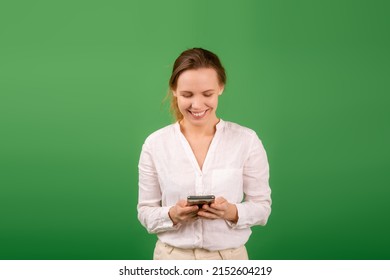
[82,85]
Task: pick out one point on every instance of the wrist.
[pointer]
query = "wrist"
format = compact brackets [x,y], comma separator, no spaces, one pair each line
[171,215]
[232,213]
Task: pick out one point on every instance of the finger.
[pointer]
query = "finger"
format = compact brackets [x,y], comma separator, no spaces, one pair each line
[223,205]
[207,215]
[189,209]
[219,200]
[188,217]
[195,217]
[193,214]
[182,203]
[218,206]
[191,218]
[213,211]
[207,208]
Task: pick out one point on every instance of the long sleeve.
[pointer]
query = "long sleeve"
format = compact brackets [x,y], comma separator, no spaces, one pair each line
[151,214]
[256,207]
[235,167]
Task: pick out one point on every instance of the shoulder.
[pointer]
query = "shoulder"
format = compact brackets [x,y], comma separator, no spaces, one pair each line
[242,138]
[161,134]
[238,130]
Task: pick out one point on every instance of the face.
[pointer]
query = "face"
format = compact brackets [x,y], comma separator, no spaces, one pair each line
[197,94]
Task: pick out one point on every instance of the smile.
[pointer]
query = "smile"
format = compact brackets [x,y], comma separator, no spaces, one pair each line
[198,115]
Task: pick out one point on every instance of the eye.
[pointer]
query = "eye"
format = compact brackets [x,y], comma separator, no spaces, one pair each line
[186,95]
[207,94]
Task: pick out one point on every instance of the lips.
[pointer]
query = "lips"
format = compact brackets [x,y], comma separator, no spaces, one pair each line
[198,114]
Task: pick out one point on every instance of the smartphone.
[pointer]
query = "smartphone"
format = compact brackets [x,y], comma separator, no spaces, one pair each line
[200,200]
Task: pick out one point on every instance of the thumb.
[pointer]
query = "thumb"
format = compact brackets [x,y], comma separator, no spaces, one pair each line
[182,203]
[220,200]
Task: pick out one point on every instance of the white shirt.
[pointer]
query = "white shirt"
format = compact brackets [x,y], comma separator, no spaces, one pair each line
[236,167]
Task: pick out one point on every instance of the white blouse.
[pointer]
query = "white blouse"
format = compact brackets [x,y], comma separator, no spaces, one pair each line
[236,167]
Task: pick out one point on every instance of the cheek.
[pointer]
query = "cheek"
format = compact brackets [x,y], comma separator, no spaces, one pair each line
[212,103]
[182,104]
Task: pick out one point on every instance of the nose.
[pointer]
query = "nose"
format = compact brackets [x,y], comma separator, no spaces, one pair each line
[197,102]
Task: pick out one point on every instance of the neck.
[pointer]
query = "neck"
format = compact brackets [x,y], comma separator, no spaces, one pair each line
[198,131]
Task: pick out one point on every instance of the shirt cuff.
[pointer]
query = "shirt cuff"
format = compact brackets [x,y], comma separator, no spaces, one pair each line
[166,221]
[240,222]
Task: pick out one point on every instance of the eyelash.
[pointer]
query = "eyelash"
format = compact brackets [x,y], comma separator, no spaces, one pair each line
[189,96]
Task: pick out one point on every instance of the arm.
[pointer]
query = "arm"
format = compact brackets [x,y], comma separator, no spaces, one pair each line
[256,207]
[154,217]
[151,214]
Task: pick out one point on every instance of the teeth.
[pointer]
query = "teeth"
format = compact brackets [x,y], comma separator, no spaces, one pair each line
[198,114]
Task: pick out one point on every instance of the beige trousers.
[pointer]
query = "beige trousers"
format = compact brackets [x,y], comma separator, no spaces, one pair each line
[164,251]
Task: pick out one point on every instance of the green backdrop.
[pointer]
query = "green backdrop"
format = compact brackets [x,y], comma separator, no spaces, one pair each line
[82,84]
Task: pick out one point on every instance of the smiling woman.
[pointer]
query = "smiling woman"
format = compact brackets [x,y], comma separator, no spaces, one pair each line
[202,155]
[197,94]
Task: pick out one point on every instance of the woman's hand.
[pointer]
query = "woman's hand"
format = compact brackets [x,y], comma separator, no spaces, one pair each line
[181,212]
[220,209]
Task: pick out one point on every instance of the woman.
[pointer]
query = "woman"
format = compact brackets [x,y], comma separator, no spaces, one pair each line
[201,154]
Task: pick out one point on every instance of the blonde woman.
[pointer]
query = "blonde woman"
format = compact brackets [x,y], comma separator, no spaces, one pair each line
[201,154]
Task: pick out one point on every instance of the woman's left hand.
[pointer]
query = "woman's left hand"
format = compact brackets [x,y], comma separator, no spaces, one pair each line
[220,209]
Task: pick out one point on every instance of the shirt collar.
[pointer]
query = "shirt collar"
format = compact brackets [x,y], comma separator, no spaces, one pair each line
[220,125]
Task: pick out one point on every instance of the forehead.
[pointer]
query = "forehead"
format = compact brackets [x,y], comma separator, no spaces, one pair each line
[198,78]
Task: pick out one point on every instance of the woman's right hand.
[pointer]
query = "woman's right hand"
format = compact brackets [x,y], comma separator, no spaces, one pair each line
[181,212]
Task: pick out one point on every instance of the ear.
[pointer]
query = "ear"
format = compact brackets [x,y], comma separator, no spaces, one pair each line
[174,93]
[221,90]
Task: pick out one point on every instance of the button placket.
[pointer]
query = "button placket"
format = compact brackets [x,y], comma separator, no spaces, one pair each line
[199,184]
